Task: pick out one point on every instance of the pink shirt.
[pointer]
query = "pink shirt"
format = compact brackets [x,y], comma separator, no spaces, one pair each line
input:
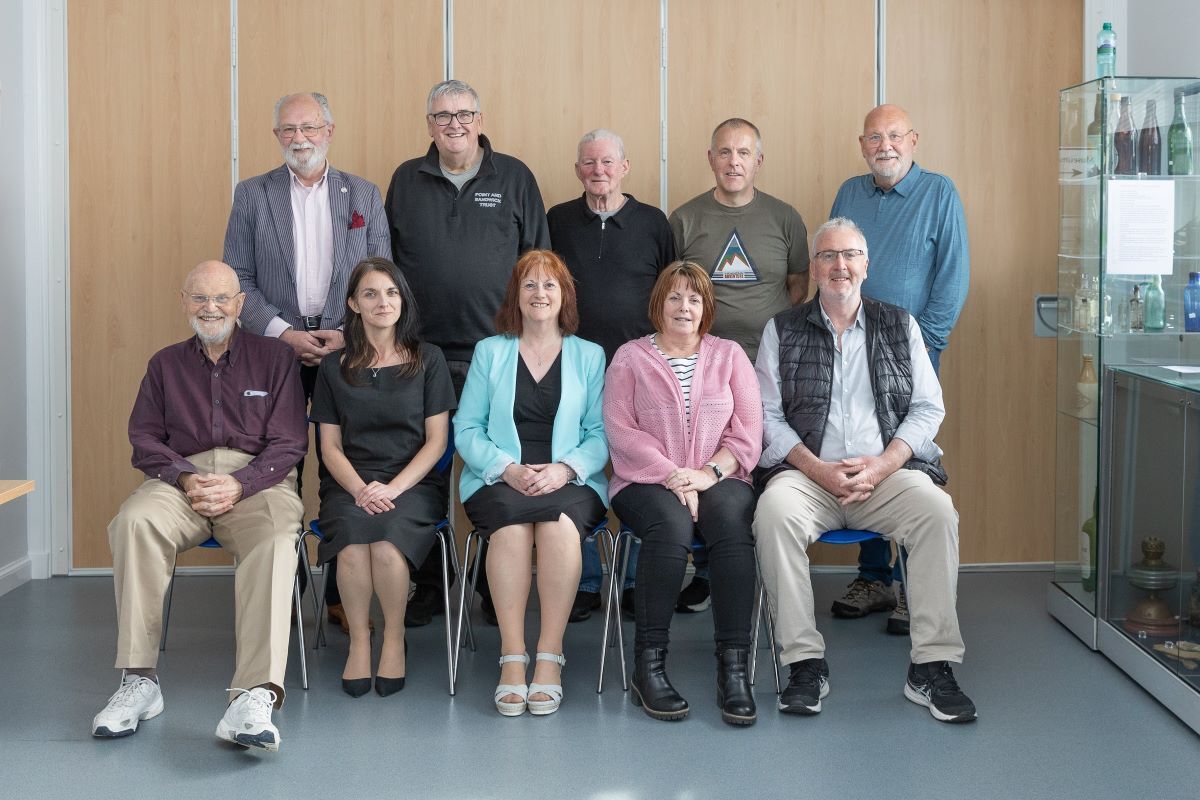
[644,421]
[312,242]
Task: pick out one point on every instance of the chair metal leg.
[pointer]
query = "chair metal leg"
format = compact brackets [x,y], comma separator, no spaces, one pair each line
[300,633]
[620,587]
[463,609]
[604,538]
[446,578]
[162,640]
[318,595]
[460,575]
[757,622]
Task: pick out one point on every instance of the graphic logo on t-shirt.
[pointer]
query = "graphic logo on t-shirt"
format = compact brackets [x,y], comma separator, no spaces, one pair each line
[734,265]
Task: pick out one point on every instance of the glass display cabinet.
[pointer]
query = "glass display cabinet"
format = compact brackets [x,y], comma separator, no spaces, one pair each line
[1128,279]
[1149,593]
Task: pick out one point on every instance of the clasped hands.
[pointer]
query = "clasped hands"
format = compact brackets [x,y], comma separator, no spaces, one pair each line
[851,480]
[536,479]
[211,494]
[687,484]
[376,497]
[312,346]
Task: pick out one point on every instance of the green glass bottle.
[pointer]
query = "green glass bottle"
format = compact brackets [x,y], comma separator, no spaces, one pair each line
[1179,141]
[1156,306]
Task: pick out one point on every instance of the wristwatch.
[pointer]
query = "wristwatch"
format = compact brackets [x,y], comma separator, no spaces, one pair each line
[716,470]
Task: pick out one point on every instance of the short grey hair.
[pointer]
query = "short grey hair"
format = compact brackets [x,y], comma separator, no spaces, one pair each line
[839,223]
[737,122]
[451,87]
[320,99]
[601,134]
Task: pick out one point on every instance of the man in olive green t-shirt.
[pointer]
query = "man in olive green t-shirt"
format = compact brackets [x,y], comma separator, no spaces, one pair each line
[754,246]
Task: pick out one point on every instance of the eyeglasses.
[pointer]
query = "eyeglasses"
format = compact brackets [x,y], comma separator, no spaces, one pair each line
[831,256]
[876,139]
[309,131]
[220,299]
[442,118]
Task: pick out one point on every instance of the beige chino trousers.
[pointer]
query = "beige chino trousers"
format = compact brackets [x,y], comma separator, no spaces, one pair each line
[156,523]
[908,508]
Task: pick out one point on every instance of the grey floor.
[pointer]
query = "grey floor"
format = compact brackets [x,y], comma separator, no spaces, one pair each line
[1056,720]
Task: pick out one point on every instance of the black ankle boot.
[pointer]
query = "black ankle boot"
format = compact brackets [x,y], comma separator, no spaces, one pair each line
[733,687]
[652,689]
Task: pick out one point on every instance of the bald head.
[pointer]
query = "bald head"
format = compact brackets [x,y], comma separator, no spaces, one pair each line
[212,299]
[888,142]
[209,271]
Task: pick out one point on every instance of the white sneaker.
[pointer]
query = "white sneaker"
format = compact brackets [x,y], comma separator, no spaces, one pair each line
[138,698]
[247,721]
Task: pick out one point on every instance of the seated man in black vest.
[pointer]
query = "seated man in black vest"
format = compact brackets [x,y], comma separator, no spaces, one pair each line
[851,407]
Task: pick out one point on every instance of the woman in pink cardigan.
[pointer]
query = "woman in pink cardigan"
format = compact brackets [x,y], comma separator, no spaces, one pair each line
[683,417]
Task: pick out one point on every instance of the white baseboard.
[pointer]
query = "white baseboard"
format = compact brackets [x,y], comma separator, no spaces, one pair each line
[15,573]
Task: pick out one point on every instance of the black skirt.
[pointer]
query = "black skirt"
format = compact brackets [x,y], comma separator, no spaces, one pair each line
[496,506]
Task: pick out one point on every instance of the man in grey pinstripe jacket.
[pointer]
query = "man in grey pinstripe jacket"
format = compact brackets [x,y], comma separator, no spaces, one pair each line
[294,235]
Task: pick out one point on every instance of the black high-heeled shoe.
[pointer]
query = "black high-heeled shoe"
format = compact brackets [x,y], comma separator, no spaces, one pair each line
[356,687]
[388,686]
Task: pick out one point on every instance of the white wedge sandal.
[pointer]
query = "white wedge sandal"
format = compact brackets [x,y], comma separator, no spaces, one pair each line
[553,690]
[510,709]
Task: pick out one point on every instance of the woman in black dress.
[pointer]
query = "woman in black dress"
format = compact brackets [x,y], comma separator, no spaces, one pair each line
[530,431]
[383,407]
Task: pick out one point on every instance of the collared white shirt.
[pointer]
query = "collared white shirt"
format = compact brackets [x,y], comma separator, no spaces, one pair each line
[853,428]
[312,241]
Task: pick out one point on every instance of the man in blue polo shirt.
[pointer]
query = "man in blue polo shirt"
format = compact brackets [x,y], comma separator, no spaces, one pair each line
[919,261]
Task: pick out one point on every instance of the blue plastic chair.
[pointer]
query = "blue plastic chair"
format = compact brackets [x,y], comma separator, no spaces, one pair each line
[444,531]
[464,602]
[212,544]
[838,536]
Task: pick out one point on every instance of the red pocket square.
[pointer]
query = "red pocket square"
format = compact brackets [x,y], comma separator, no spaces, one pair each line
[357,221]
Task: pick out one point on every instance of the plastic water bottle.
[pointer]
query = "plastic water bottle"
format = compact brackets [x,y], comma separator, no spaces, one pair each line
[1106,52]
[1191,303]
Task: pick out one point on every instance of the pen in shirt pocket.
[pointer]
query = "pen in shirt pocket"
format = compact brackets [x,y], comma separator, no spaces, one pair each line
[254,393]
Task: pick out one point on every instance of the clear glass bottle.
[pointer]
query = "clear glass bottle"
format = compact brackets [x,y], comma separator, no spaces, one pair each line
[1136,316]
[1082,313]
[1156,306]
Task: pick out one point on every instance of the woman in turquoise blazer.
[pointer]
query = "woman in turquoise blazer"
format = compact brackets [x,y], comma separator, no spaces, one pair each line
[530,431]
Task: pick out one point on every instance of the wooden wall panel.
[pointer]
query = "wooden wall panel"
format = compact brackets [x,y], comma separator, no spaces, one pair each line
[374,59]
[149,196]
[547,72]
[803,72]
[156,202]
[988,117]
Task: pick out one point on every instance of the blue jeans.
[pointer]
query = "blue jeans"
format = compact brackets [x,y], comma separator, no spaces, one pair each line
[593,574]
[874,557]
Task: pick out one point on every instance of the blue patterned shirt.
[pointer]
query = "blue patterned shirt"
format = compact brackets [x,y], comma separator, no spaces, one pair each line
[917,242]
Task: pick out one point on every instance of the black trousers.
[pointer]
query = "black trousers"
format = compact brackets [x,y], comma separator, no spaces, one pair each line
[666,529]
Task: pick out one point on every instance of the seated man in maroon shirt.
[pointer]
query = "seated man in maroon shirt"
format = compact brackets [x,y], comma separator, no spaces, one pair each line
[217,428]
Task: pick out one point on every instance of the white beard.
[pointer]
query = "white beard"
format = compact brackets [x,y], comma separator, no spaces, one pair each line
[305,160]
[209,339]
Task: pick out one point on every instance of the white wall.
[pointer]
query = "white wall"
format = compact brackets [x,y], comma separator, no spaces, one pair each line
[14,518]
[1164,38]
[34,361]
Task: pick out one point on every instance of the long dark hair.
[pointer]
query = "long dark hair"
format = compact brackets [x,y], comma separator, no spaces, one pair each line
[359,352]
